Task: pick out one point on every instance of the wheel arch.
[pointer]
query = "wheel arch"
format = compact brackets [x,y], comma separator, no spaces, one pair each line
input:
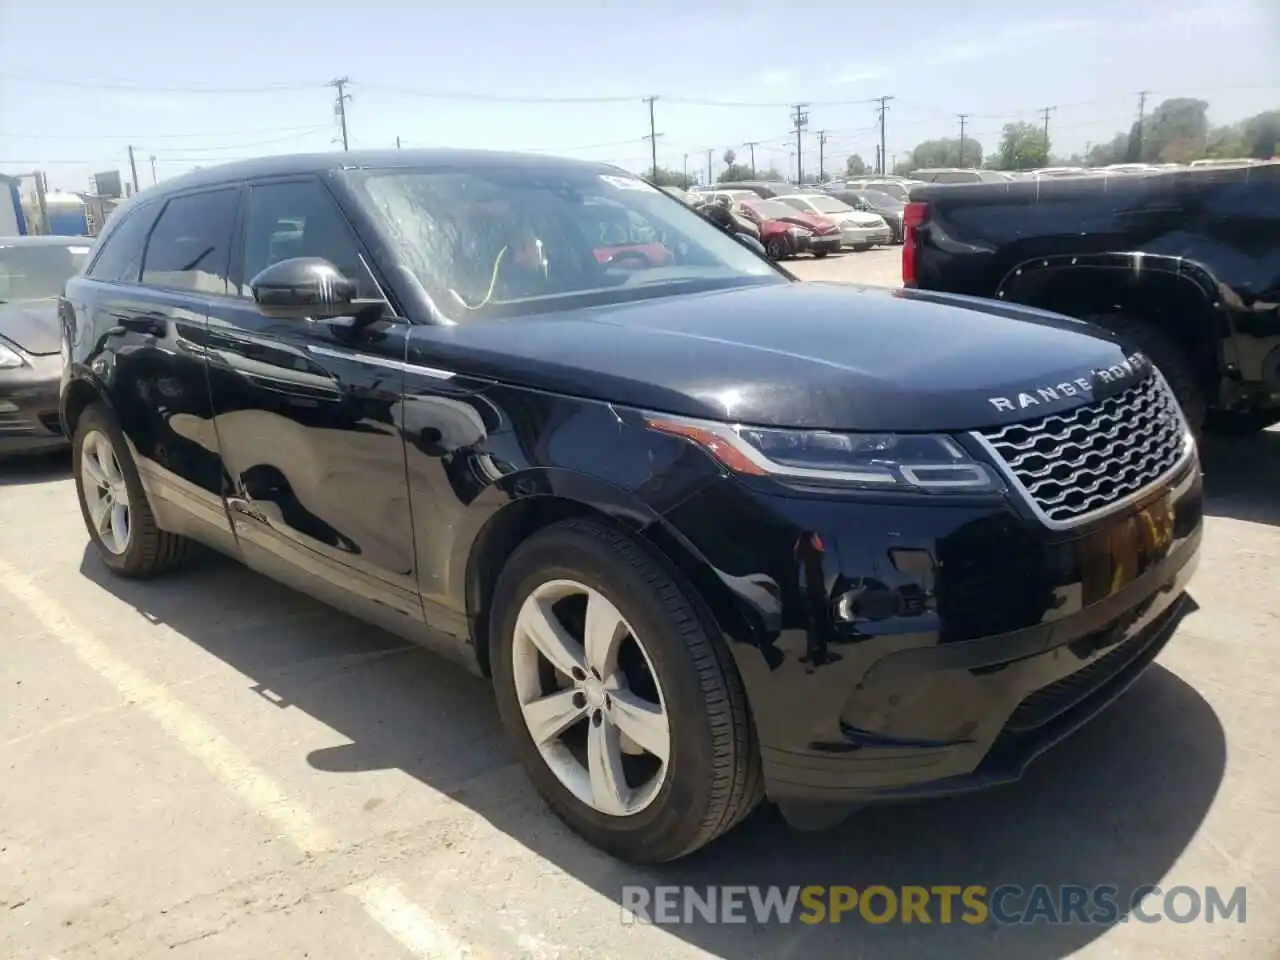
[578,496]
[1180,297]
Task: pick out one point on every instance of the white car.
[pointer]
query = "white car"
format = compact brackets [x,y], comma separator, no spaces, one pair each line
[858,229]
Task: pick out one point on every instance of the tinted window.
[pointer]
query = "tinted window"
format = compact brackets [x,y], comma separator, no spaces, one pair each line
[190,246]
[120,259]
[957,176]
[301,219]
[38,271]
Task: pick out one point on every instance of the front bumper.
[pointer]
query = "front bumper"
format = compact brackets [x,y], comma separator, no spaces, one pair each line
[829,243]
[855,236]
[29,420]
[917,649]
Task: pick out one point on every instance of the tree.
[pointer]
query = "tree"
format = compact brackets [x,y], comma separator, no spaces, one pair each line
[1177,131]
[662,177]
[1261,134]
[1022,147]
[734,171]
[771,174]
[729,158]
[855,166]
[944,152]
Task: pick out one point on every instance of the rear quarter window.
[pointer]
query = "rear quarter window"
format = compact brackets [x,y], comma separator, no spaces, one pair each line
[119,259]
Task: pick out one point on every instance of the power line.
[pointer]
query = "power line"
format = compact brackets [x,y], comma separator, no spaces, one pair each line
[148,88]
[212,135]
[822,156]
[964,118]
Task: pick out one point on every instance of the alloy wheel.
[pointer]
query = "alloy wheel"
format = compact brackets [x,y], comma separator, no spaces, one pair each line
[106,495]
[590,698]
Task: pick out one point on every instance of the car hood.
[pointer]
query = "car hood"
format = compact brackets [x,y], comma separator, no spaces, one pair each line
[817,355]
[812,221]
[32,325]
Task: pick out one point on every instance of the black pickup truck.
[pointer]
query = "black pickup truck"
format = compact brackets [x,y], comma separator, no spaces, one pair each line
[1181,265]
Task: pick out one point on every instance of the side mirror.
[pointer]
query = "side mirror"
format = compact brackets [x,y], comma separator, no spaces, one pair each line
[747,240]
[303,287]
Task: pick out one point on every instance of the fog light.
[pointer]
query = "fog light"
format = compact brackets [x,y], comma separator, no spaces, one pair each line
[7,407]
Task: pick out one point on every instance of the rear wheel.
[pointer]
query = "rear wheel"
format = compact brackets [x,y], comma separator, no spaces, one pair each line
[121,525]
[819,254]
[626,712]
[1167,354]
[775,249]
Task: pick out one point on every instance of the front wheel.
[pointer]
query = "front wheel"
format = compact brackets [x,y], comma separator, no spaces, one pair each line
[626,712]
[819,254]
[775,249]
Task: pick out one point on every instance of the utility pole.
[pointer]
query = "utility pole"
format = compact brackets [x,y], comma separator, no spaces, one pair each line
[154,181]
[964,118]
[42,203]
[822,156]
[800,118]
[879,159]
[1142,119]
[653,139]
[340,106]
[882,110]
[397,142]
[709,152]
[133,166]
[751,145]
[686,168]
[1046,111]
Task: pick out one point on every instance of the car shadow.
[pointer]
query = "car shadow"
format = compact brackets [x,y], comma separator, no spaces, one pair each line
[1115,804]
[35,468]
[1242,476]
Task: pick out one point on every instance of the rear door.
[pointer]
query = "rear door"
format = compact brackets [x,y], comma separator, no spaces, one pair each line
[147,294]
[306,414]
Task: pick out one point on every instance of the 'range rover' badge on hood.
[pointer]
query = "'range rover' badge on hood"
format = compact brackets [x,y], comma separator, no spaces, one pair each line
[1099,383]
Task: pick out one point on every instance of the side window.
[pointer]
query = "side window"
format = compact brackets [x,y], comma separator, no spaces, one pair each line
[120,259]
[796,203]
[300,219]
[190,246]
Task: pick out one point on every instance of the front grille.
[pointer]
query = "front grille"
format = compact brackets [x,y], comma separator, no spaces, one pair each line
[1073,464]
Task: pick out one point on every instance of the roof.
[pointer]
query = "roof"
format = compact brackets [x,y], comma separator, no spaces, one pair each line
[298,163]
[45,240]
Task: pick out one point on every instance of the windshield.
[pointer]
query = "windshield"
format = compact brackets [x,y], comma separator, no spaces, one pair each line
[881,201]
[895,190]
[38,271]
[522,240]
[773,209]
[829,205]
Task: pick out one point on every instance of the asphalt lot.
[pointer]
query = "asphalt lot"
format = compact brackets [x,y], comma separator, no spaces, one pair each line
[214,766]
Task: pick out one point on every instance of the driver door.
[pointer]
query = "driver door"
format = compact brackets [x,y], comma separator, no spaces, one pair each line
[306,417]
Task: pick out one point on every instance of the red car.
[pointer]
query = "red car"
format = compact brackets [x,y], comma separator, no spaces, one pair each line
[811,231]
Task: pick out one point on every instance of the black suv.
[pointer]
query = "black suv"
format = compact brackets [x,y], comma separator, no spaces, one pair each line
[714,534]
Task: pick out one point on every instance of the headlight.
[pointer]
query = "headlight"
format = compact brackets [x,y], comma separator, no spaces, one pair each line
[10,357]
[926,463]
[799,232]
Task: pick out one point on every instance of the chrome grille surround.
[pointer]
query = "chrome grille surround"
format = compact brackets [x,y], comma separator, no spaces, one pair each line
[1075,466]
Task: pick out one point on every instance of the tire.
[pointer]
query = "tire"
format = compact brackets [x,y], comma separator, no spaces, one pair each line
[1240,423]
[712,778]
[862,248]
[775,249]
[1168,356]
[819,254]
[145,550]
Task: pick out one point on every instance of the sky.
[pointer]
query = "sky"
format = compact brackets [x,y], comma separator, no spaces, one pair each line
[80,82]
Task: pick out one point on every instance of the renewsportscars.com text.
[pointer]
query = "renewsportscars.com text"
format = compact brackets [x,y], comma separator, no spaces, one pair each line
[1007,904]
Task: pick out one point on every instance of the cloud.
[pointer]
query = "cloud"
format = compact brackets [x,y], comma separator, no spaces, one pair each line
[776,78]
[1007,39]
[860,74]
